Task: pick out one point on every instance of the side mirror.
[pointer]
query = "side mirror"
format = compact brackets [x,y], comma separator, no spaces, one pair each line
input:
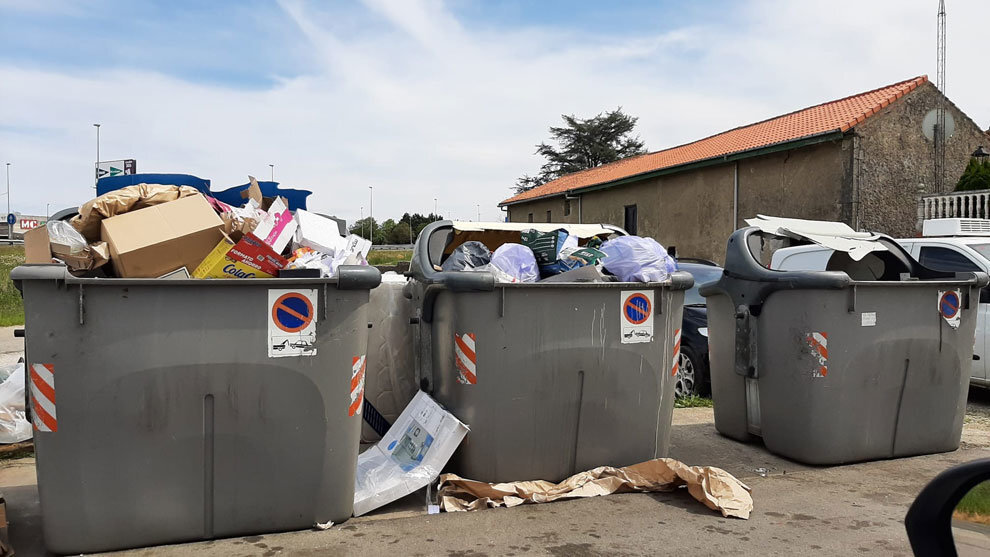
[929,520]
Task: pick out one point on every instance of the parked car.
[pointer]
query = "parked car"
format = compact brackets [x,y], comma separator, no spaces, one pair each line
[945,245]
[692,371]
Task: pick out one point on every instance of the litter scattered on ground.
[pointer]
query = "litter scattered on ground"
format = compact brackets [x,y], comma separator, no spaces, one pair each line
[716,488]
[14,426]
[323,525]
[409,457]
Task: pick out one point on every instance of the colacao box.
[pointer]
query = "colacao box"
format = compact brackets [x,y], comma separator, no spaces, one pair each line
[248,258]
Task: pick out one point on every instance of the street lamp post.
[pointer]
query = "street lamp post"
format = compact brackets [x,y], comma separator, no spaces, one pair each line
[97,169]
[47,212]
[273,171]
[10,227]
[371,212]
[435,215]
[362,220]
[479,212]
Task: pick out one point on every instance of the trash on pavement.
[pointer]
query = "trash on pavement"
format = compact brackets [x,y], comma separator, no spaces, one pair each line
[637,259]
[409,457]
[153,241]
[716,488]
[14,426]
[467,256]
[117,202]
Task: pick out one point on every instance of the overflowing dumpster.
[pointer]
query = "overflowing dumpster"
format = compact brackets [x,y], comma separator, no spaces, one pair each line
[869,359]
[169,410]
[553,377]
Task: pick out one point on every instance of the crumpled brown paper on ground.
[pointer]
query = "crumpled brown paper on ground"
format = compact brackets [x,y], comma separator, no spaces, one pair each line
[117,202]
[716,488]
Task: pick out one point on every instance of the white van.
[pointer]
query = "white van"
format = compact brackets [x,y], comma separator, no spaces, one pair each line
[945,245]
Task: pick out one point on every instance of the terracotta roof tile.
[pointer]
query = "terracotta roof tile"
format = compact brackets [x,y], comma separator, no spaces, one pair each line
[839,115]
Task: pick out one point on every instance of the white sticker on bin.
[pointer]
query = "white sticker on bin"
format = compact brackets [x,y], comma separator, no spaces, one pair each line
[292,322]
[636,321]
[868,319]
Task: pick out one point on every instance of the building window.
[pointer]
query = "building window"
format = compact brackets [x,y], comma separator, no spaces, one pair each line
[630,224]
[567,208]
[549,219]
[530,219]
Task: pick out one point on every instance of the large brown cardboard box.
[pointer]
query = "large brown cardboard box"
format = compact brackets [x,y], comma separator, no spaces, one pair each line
[151,242]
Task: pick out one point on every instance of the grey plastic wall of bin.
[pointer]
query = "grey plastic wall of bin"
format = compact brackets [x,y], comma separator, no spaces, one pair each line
[173,423]
[894,389]
[557,392]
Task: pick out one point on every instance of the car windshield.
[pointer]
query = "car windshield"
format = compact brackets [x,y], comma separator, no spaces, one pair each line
[982,249]
[702,274]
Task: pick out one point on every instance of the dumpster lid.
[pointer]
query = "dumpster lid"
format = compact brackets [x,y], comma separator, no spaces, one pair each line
[579,230]
[834,235]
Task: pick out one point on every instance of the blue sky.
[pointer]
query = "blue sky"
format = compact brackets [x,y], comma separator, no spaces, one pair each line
[426,99]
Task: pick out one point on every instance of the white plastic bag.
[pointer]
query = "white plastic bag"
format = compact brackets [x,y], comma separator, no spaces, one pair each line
[637,259]
[61,232]
[515,261]
[14,426]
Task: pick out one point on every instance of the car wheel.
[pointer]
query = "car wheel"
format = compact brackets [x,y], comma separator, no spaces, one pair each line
[690,378]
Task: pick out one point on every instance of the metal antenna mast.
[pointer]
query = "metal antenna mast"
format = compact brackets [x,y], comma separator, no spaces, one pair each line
[940,107]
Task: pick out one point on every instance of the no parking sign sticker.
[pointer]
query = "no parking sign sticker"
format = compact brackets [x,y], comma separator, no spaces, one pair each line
[636,316]
[950,306]
[292,322]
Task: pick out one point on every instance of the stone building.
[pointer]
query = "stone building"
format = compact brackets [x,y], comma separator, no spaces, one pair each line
[863,160]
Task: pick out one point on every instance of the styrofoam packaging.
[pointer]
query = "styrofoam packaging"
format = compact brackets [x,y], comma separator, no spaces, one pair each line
[317,232]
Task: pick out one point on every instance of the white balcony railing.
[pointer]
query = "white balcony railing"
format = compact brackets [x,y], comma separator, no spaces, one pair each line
[962,204]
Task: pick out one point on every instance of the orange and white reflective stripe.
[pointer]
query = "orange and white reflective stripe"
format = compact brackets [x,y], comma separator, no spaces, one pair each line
[819,348]
[677,353]
[466,359]
[43,397]
[357,385]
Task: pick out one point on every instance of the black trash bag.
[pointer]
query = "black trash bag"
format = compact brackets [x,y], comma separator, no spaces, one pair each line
[467,256]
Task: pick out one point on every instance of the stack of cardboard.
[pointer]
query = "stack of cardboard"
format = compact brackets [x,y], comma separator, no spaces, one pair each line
[153,231]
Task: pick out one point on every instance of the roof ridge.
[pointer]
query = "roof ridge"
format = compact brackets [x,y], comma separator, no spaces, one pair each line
[848,121]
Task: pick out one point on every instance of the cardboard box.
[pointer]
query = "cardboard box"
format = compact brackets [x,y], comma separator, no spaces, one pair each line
[248,258]
[319,233]
[156,240]
[410,455]
[38,248]
[278,227]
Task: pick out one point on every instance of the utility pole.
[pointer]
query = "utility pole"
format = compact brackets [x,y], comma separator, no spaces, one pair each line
[10,227]
[371,213]
[940,138]
[273,171]
[97,169]
[479,212]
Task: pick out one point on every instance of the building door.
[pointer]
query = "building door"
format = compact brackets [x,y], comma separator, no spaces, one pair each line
[630,223]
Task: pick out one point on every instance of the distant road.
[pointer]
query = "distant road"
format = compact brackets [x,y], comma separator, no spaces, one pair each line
[393,247]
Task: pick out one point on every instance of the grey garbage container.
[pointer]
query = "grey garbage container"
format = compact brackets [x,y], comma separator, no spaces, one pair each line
[830,370]
[541,372]
[171,420]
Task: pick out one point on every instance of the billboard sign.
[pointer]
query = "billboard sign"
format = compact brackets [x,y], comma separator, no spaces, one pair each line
[106,169]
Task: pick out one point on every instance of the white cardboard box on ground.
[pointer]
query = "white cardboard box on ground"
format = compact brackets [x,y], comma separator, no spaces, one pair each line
[410,456]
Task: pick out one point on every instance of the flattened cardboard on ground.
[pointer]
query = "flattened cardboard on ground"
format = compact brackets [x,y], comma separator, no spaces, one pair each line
[409,456]
[716,488]
[151,242]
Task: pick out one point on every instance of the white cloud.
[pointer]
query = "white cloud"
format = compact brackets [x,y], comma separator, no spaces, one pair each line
[422,105]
